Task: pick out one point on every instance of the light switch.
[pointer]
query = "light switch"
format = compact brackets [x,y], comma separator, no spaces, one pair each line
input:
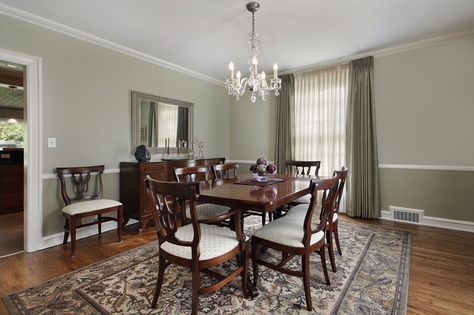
[51,142]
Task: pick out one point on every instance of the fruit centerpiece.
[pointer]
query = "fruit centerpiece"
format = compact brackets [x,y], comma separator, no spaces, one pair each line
[262,170]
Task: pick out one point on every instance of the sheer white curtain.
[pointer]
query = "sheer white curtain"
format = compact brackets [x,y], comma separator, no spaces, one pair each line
[167,123]
[320,117]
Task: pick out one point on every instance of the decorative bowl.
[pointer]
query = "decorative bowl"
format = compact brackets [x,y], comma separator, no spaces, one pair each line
[262,178]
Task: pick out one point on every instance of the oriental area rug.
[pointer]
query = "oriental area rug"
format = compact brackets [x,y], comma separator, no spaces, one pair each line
[372,278]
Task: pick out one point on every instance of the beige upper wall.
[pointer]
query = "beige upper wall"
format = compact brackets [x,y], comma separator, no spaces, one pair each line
[252,128]
[424,102]
[86,97]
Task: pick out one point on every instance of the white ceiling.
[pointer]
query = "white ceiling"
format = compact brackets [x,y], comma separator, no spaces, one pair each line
[204,35]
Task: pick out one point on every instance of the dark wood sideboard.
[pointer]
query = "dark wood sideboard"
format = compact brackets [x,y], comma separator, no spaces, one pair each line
[132,187]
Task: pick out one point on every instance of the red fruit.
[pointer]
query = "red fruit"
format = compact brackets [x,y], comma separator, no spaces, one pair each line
[262,161]
[271,168]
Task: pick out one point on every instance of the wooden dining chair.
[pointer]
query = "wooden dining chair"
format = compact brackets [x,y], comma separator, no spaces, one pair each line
[194,174]
[302,168]
[299,212]
[293,236]
[84,204]
[225,170]
[333,226]
[188,243]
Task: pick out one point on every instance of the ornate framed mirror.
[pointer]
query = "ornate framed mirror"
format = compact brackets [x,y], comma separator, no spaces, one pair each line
[158,121]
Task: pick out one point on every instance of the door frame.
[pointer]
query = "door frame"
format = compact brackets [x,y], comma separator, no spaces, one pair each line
[33,163]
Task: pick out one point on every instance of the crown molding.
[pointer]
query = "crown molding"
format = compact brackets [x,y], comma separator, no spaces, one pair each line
[381,52]
[73,32]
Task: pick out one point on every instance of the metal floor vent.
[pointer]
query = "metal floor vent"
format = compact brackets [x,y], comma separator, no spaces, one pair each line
[406,214]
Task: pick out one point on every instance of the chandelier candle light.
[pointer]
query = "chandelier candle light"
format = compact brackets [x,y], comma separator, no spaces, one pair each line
[256,82]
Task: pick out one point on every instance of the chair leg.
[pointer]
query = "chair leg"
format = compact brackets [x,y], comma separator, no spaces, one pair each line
[331,250]
[66,231]
[159,281]
[264,218]
[72,228]
[322,254]
[254,263]
[307,282]
[336,238]
[99,223]
[119,222]
[245,274]
[195,291]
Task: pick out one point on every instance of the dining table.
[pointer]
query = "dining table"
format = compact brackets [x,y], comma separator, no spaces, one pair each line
[246,193]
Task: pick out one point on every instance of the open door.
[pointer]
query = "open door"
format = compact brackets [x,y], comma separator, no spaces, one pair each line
[12,141]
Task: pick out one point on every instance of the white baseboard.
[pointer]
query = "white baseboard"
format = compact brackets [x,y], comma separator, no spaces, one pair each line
[57,239]
[458,225]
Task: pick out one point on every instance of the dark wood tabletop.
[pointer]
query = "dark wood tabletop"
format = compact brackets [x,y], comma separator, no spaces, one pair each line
[262,198]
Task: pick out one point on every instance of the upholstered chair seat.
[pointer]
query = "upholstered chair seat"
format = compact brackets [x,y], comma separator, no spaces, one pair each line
[299,212]
[288,231]
[90,205]
[303,200]
[208,210]
[215,241]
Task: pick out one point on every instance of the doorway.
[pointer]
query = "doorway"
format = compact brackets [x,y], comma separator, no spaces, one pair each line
[12,142]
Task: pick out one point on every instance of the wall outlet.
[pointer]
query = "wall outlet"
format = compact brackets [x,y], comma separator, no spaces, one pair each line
[51,142]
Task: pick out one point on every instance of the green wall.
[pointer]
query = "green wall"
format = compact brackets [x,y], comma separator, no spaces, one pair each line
[86,104]
[444,194]
[424,100]
[252,128]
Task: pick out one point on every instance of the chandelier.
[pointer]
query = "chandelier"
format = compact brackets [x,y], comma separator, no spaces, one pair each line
[256,82]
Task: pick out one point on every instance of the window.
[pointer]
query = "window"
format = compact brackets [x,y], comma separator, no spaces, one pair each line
[320,117]
[11,133]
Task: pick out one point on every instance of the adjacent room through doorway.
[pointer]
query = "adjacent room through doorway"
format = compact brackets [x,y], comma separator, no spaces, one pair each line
[12,131]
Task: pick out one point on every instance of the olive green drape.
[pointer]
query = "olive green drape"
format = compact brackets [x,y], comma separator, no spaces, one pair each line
[284,122]
[361,142]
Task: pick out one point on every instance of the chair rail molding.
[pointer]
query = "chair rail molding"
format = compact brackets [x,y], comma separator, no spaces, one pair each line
[246,161]
[33,163]
[429,167]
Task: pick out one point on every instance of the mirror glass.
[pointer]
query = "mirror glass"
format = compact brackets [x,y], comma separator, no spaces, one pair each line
[158,121]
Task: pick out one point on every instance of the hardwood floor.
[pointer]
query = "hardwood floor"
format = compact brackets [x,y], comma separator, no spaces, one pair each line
[441,270]
[11,233]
